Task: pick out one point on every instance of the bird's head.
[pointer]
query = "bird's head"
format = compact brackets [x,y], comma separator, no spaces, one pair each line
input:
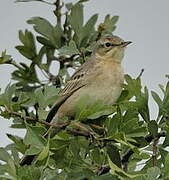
[110,47]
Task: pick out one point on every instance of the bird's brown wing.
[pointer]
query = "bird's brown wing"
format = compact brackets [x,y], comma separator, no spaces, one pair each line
[77,81]
[79,78]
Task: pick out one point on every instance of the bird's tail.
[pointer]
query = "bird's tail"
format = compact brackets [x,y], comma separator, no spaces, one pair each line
[27,160]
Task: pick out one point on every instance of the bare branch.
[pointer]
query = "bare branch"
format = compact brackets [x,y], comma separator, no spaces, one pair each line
[154,156]
[57,11]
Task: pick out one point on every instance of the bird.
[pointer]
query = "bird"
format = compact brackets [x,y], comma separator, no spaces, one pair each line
[100,78]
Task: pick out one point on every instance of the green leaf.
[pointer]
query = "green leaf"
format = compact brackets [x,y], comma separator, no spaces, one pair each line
[106,176]
[29,172]
[166,141]
[44,41]
[27,39]
[21,147]
[5,58]
[44,27]
[25,75]
[152,173]
[26,52]
[153,128]
[109,24]
[85,109]
[163,154]
[136,132]
[51,94]
[88,30]
[141,156]
[167,161]
[96,156]
[115,170]
[142,104]
[113,124]
[4,156]
[114,154]
[134,89]
[166,166]
[28,49]
[33,150]
[34,136]
[7,96]
[44,153]
[156,98]
[76,18]
[79,174]
[69,50]
[82,1]
[5,177]
[100,110]
[45,96]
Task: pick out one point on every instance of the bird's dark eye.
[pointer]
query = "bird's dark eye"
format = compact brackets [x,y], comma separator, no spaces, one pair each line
[108,44]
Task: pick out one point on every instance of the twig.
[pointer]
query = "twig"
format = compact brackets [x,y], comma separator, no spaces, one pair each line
[28,118]
[22,117]
[149,137]
[78,133]
[57,11]
[67,59]
[98,127]
[154,156]
[141,73]
[103,170]
[47,2]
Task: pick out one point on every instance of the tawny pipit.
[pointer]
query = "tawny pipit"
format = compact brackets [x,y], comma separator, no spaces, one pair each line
[100,78]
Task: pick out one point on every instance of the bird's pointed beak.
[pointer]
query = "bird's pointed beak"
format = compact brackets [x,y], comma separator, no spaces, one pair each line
[126,43]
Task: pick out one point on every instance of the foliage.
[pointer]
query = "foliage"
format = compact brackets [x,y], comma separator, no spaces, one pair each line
[117,142]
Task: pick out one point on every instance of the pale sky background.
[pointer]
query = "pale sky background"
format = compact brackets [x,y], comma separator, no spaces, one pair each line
[145,23]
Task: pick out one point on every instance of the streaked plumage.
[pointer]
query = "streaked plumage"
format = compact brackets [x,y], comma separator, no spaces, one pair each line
[99,78]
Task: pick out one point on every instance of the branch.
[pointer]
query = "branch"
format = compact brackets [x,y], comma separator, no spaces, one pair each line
[141,73]
[22,117]
[85,132]
[78,133]
[57,11]
[28,118]
[149,137]
[154,156]
[46,2]
[103,170]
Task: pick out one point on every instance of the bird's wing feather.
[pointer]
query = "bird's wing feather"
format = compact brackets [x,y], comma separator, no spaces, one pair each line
[78,79]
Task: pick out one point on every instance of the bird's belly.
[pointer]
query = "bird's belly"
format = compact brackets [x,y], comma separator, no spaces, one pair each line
[107,91]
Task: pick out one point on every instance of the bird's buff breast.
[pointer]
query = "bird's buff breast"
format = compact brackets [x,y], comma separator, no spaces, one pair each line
[105,87]
[108,85]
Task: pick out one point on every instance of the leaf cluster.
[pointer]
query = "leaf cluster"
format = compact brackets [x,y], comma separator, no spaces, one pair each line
[117,142]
